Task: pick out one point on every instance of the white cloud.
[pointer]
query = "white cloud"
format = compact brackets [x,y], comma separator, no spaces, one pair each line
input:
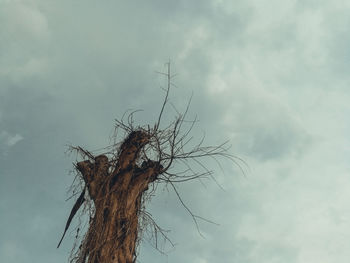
[9,139]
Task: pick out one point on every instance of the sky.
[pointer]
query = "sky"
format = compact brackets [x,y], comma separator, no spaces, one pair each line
[270,76]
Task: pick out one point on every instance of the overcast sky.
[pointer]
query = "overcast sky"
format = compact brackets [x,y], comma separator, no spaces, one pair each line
[270,76]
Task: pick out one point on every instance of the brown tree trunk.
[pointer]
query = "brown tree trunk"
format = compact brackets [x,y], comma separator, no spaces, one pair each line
[117,195]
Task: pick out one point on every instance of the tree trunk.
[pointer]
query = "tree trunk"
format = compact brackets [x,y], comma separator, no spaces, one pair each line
[117,195]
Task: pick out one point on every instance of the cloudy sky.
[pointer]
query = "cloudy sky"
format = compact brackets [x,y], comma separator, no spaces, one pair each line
[270,76]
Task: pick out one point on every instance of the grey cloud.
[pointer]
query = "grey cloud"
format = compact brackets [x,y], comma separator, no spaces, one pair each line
[271,138]
[262,126]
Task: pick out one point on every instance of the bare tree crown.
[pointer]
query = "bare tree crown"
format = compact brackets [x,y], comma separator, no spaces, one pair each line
[115,184]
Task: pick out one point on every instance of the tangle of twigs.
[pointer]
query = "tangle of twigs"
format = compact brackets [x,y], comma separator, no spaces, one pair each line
[171,146]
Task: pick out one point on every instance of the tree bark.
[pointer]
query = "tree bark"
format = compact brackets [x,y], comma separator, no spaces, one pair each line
[117,195]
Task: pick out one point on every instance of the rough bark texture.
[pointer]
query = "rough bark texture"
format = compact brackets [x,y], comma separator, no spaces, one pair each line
[117,196]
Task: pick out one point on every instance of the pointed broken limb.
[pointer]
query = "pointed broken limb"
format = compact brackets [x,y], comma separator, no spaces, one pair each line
[74,210]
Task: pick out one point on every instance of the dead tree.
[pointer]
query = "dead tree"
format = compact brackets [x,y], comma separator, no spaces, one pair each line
[115,184]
